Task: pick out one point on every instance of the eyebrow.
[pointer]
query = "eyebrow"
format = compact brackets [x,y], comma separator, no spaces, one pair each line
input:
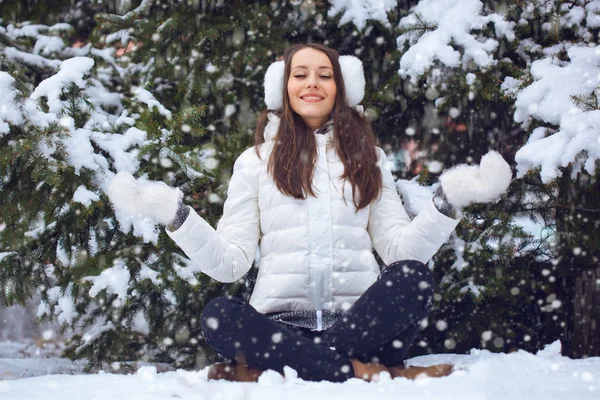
[305,67]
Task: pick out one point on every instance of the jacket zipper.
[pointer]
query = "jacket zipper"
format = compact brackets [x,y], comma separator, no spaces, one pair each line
[319,320]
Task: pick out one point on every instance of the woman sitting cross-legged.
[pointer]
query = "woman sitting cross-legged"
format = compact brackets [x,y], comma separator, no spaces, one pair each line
[317,196]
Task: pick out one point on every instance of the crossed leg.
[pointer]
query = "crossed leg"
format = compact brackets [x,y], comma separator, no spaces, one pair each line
[379,327]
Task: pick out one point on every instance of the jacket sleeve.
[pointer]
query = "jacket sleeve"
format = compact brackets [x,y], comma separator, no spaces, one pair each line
[227,253]
[395,237]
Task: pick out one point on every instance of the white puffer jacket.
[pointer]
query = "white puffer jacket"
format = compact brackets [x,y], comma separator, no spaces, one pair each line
[316,254]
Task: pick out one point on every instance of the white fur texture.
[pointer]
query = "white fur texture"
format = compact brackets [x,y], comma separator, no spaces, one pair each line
[354,79]
[465,184]
[139,198]
[158,200]
[274,86]
[122,193]
[352,71]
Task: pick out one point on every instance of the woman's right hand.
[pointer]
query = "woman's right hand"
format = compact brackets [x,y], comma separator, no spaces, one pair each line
[140,198]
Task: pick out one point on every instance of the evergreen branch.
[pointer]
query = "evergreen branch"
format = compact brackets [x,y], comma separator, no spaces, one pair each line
[5,40]
[419,27]
[424,177]
[586,103]
[189,121]
[185,165]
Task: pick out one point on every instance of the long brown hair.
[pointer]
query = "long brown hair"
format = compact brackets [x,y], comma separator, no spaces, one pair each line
[292,161]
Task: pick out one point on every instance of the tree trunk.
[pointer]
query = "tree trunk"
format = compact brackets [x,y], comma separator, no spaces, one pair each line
[578,220]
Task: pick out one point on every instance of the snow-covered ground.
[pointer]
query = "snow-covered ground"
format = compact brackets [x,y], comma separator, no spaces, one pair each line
[31,358]
[482,375]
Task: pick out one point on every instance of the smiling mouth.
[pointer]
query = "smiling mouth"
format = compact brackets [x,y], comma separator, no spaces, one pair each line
[312,98]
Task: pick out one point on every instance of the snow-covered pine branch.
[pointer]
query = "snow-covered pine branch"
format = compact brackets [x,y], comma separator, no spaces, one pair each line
[548,100]
[456,41]
[358,12]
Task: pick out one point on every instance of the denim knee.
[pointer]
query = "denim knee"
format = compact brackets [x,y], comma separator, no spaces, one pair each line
[408,269]
[213,313]
[414,273]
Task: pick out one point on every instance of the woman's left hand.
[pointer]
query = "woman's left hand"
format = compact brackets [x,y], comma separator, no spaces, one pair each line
[483,183]
[148,199]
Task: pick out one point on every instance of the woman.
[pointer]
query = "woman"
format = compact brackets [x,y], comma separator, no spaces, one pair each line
[316,195]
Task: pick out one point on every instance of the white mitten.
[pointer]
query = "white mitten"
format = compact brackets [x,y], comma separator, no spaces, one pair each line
[465,184]
[122,193]
[149,199]
[158,200]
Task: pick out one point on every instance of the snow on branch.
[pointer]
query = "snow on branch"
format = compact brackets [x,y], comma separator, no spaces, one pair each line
[358,12]
[550,99]
[148,98]
[114,280]
[9,111]
[141,9]
[593,16]
[15,55]
[448,37]
[33,30]
[71,71]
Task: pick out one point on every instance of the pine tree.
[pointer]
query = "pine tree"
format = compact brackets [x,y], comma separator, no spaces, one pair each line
[130,294]
[492,252]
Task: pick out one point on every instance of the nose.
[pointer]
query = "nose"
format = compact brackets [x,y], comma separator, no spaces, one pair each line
[312,81]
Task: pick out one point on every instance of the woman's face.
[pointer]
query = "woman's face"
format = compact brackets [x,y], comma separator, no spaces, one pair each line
[311,86]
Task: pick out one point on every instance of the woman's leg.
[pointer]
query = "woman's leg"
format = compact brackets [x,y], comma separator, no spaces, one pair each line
[384,321]
[393,353]
[234,328]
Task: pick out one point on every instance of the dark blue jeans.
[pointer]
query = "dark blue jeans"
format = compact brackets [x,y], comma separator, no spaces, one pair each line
[379,327]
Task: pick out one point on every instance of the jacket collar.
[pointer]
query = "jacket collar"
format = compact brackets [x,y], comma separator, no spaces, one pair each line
[323,134]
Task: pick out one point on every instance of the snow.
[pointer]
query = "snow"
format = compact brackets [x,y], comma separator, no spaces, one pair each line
[148,273]
[146,97]
[84,196]
[119,148]
[470,77]
[113,280]
[100,326]
[358,12]
[5,254]
[80,151]
[71,71]
[129,196]
[61,255]
[453,21]
[31,358]
[455,39]
[64,308]
[593,17]
[459,246]
[34,30]
[46,45]
[123,36]
[142,8]
[415,197]
[8,111]
[480,375]
[14,54]
[229,110]
[548,100]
